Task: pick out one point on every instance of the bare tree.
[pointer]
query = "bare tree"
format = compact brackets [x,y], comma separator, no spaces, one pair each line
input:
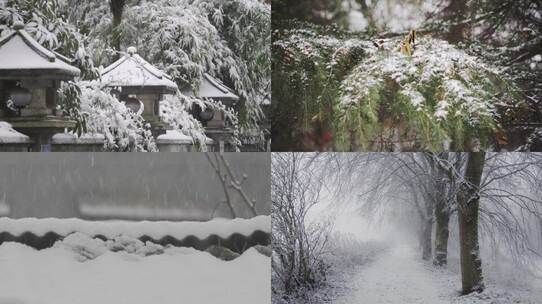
[297,244]
[230,182]
[496,196]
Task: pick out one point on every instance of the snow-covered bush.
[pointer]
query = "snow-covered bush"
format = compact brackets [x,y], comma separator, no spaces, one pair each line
[308,65]
[344,256]
[344,91]
[123,129]
[174,110]
[438,96]
[227,39]
[298,244]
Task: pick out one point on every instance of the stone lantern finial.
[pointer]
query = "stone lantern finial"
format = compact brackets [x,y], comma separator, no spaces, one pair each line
[131,50]
[18,25]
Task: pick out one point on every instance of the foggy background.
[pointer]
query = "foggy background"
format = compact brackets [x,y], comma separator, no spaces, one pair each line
[178,186]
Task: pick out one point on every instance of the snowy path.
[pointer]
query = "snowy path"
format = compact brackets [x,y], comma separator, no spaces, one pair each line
[398,276]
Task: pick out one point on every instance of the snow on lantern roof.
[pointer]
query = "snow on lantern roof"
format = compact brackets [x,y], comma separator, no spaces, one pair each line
[23,57]
[9,135]
[211,87]
[133,71]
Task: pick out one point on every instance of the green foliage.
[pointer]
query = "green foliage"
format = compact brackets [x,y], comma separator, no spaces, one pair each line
[439,98]
[375,98]
[308,66]
[69,98]
[508,34]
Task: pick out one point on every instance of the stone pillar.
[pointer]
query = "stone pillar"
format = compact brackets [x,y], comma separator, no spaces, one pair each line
[38,105]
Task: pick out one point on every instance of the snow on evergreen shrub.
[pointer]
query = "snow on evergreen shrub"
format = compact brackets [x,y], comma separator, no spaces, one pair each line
[187,38]
[174,110]
[308,65]
[438,96]
[123,129]
[338,90]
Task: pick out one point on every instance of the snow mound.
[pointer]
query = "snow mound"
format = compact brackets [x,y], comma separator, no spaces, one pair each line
[53,276]
[71,138]
[174,136]
[84,246]
[9,135]
[88,248]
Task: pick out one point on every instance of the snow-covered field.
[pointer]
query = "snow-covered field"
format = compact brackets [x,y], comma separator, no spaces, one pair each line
[81,270]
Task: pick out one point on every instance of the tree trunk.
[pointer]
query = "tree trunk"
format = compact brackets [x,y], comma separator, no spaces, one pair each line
[425,239]
[456,13]
[442,218]
[469,199]
[117,8]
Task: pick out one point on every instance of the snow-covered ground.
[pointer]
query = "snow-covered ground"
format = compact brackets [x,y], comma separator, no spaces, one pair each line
[399,275]
[173,275]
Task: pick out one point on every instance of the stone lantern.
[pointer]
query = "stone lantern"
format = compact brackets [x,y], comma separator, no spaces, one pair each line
[214,122]
[29,78]
[140,86]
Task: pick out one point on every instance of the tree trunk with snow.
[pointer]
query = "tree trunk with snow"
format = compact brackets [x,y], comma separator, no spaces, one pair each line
[442,219]
[469,199]
[456,12]
[426,239]
[117,8]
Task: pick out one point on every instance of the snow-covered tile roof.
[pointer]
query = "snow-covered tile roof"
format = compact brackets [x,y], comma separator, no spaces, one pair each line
[132,70]
[221,227]
[19,53]
[211,87]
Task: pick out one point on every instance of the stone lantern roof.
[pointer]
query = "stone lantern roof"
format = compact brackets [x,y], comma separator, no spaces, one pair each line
[22,57]
[213,88]
[133,73]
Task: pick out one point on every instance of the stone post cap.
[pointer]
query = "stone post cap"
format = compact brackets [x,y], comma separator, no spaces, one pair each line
[131,50]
